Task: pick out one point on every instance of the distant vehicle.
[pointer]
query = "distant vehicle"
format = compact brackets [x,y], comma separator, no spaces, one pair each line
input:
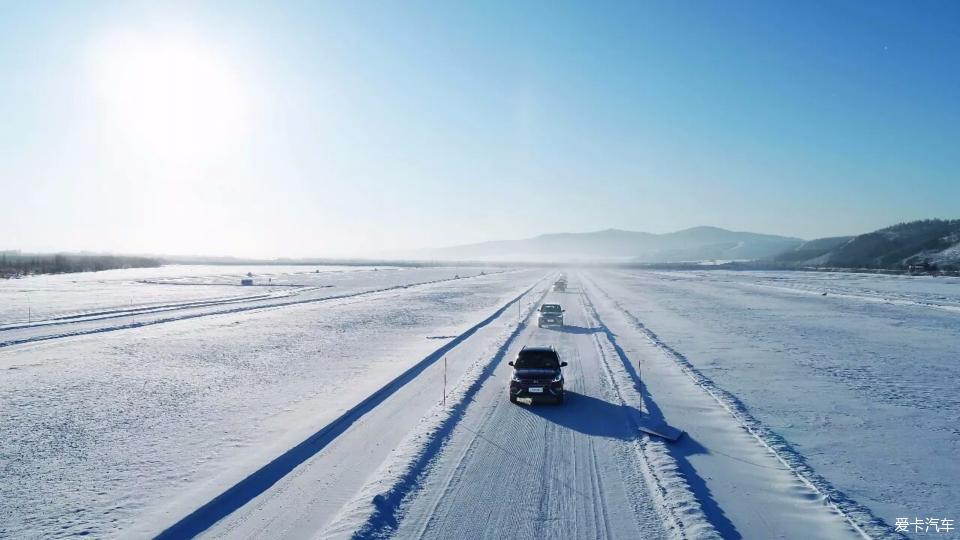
[537,374]
[560,286]
[550,315]
[922,268]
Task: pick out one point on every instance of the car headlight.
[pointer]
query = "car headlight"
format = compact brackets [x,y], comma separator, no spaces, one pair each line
[558,378]
[515,379]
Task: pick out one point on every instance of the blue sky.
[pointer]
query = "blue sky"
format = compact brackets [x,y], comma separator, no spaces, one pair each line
[359,127]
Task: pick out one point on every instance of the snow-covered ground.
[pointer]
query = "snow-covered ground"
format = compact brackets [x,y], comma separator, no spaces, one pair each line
[859,386]
[323,414]
[113,433]
[937,292]
[44,297]
[87,306]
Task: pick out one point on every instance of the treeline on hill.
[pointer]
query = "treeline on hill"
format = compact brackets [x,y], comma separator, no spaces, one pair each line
[918,243]
[925,245]
[17,264]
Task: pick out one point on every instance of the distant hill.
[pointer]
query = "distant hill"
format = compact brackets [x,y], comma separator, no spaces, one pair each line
[696,244]
[931,242]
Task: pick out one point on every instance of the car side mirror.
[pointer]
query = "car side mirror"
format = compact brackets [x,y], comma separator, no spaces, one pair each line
[563,364]
[509,363]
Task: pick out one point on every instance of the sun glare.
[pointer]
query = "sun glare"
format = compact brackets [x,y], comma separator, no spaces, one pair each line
[169,95]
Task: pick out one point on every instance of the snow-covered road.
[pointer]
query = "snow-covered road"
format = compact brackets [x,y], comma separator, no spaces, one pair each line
[576,470]
[583,469]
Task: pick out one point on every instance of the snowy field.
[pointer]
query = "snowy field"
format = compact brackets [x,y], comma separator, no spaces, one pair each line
[367,403]
[100,431]
[860,382]
[39,298]
[52,307]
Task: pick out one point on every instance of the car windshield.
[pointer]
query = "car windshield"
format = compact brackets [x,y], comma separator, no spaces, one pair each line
[550,308]
[537,360]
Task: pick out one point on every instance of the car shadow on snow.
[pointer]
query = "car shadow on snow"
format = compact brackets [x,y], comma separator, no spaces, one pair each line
[588,415]
[573,329]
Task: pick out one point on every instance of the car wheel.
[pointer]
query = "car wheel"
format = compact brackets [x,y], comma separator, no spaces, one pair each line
[560,398]
[513,398]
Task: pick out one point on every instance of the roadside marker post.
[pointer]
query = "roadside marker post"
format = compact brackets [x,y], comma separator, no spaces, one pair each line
[444,382]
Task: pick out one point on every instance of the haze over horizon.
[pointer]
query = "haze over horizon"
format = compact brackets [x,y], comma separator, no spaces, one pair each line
[336,130]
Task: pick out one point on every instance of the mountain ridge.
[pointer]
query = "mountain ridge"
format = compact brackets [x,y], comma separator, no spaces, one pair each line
[692,244]
[921,244]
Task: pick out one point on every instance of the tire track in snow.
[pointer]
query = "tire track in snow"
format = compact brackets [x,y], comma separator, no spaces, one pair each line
[599,510]
[455,477]
[598,491]
[857,516]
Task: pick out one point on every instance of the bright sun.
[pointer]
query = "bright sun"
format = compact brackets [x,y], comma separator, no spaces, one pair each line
[169,95]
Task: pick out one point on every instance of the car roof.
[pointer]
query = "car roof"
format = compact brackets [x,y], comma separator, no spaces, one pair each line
[538,348]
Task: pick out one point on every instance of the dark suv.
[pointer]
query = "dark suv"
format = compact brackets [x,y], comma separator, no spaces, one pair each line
[537,374]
